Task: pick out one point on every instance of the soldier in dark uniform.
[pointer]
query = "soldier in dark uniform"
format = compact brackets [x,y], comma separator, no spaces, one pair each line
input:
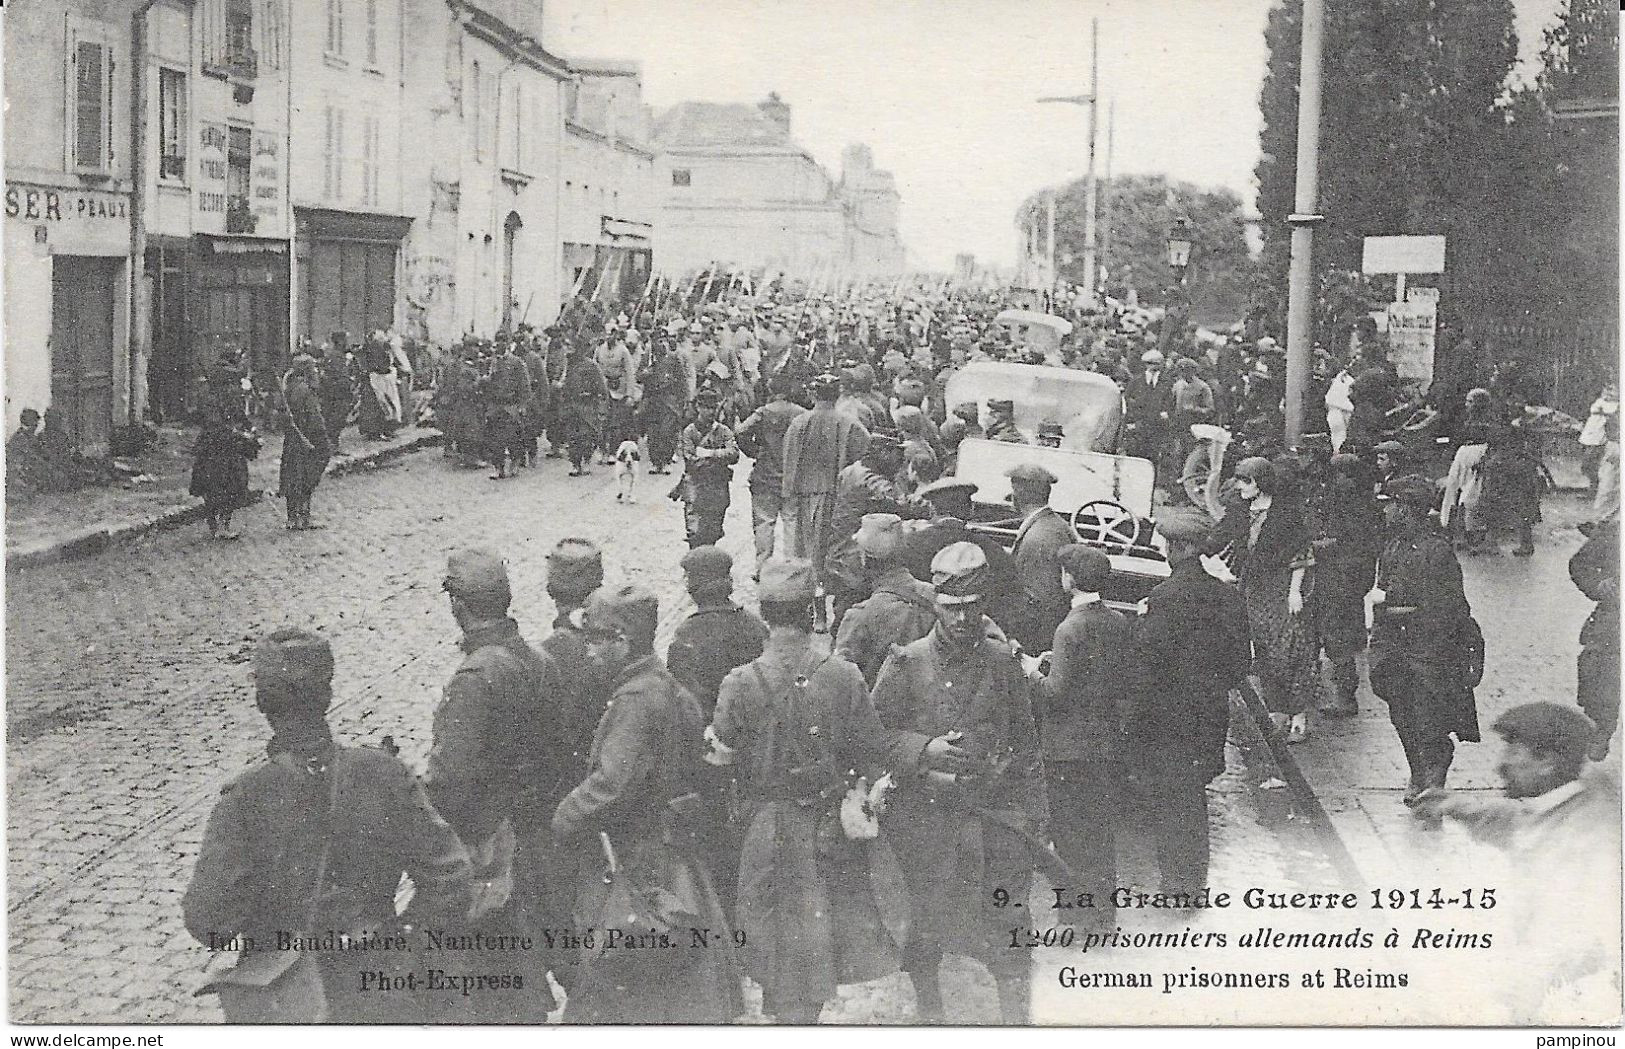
[540,399]
[1594,568]
[797,729]
[899,609]
[951,508]
[761,436]
[1081,703]
[1001,423]
[1191,649]
[708,452]
[1345,529]
[663,402]
[868,486]
[352,818]
[506,392]
[336,388]
[719,636]
[645,770]
[305,449]
[1039,540]
[1422,637]
[491,769]
[582,397]
[962,821]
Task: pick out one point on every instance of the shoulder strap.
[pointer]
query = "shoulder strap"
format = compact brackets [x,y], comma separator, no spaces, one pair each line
[320,882]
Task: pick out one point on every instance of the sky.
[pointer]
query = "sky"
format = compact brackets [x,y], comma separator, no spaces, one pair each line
[945,91]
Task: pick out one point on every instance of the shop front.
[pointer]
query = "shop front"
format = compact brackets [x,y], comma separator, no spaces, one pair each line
[348,264]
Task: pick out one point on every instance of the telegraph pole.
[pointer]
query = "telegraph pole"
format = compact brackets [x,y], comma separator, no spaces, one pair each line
[1090,262]
[1304,219]
[1106,209]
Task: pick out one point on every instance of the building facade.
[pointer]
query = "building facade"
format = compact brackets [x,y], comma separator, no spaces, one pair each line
[737,190]
[609,169]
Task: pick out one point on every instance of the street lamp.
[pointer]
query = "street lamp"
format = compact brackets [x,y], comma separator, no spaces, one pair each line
[1179,259]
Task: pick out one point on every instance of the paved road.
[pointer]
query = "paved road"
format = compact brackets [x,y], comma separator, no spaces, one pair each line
[130,707]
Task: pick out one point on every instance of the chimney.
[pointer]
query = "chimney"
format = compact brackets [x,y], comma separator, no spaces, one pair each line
[775,110]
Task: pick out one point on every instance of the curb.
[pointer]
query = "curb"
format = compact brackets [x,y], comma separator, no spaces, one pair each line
[1315,813]
[88,542]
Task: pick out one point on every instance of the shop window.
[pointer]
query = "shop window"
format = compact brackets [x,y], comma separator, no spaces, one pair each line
[172,124]
[91,133]
[680,177]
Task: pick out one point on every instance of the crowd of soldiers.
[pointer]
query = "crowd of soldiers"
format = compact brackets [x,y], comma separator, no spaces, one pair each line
[639,831]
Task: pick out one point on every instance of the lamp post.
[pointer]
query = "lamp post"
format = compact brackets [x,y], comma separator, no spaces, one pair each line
[1090,264]
[1179,260]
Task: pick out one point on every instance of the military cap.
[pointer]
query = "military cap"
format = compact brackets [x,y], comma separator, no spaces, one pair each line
[880,535]
[696,326]
[1151,357]
[1051,429]
[911,392]
[478,577]
[575,568]
[1548,729]
[1411,490]
[708,568]
[631,611]
[1089,567]
[707,398]
[959,571]
[786,581]
[948,488]
[1030,473]
[292,668]
[879,442]
[1389,448]
[1006,406]
[825,387]
[1190,527]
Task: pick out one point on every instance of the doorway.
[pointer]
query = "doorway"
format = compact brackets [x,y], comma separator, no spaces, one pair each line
[84,292]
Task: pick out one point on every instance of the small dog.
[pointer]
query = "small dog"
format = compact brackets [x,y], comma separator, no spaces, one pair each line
[627,457]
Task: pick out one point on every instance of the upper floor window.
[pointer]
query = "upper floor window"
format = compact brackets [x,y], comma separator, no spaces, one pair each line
[476,109]
[172,132]
[372,34]
[240,37]
[680,176]
[91,131]
[333,157]
[335,27]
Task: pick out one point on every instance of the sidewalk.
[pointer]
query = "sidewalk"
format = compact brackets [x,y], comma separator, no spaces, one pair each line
[44,527]
[1531,615]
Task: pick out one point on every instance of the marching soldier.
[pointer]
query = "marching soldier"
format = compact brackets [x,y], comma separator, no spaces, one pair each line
[865,487]
[761,436]
[900,609]
[305,448]
[313,839]
[491,769]
[708,451]
[541,391]
[506,392]
[620,370]
[627,819]
[797,728]
[575,570]
[582,395]
[719,636]
[963,736]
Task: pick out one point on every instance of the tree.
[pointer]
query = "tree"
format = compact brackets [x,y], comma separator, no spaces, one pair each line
[1142,209]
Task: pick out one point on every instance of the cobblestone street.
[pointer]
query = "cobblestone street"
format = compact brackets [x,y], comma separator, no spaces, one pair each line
[130,706]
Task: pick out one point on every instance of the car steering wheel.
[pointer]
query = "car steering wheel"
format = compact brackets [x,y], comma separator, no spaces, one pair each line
[1113,523]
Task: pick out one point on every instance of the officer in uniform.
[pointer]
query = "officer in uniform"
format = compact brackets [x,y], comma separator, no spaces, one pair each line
[492,768]
[353,817]
[643,778]
[1425,648]
[899,609]
[1081,726]
[797,729]
[951,508]
[1039,540]
[1192,648]
[709,452]
[962,822]
[1001,423]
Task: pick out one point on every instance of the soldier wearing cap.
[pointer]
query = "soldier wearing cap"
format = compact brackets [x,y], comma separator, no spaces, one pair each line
[951,508]
[575,570]
[663,383]
[1039,540]
[506,392]
[1082,705]
[1392,461]
[1426,651]
[1345,529]
[719,635]
[583,394]
[541,394]
[1001,423]
[353,816]
[620,368]
[899,609]
[1148,404]
[708,451]
[640,791]
[962,735]
[1191,648]
[761,436]
[798,732]
[494,764]
[868,486]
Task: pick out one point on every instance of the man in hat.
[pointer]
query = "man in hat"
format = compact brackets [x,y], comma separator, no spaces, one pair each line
[951,507]
[1191,649]
[1082,705]
[639,795]
[1392,461]
[314,808]
[1594,569]
[336,388]
[962,822]
[541,395]
[708,451]
[1001,423]
[963,423]
[899,609]
[493,770]
[1148,403]
[798,732]
[719,635]
[305,448]
[506,392]
[620,370]
[817,447]
[662,406]
[575,571]
[1346,531]
[868,486]
[1193,403]
[582,396]
[1426,651]
[761,436]
[1038,544]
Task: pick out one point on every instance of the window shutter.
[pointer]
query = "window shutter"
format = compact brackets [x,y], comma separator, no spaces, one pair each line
[91,109]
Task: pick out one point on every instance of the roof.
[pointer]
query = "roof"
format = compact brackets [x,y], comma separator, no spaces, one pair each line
[607,66]
[719,124]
